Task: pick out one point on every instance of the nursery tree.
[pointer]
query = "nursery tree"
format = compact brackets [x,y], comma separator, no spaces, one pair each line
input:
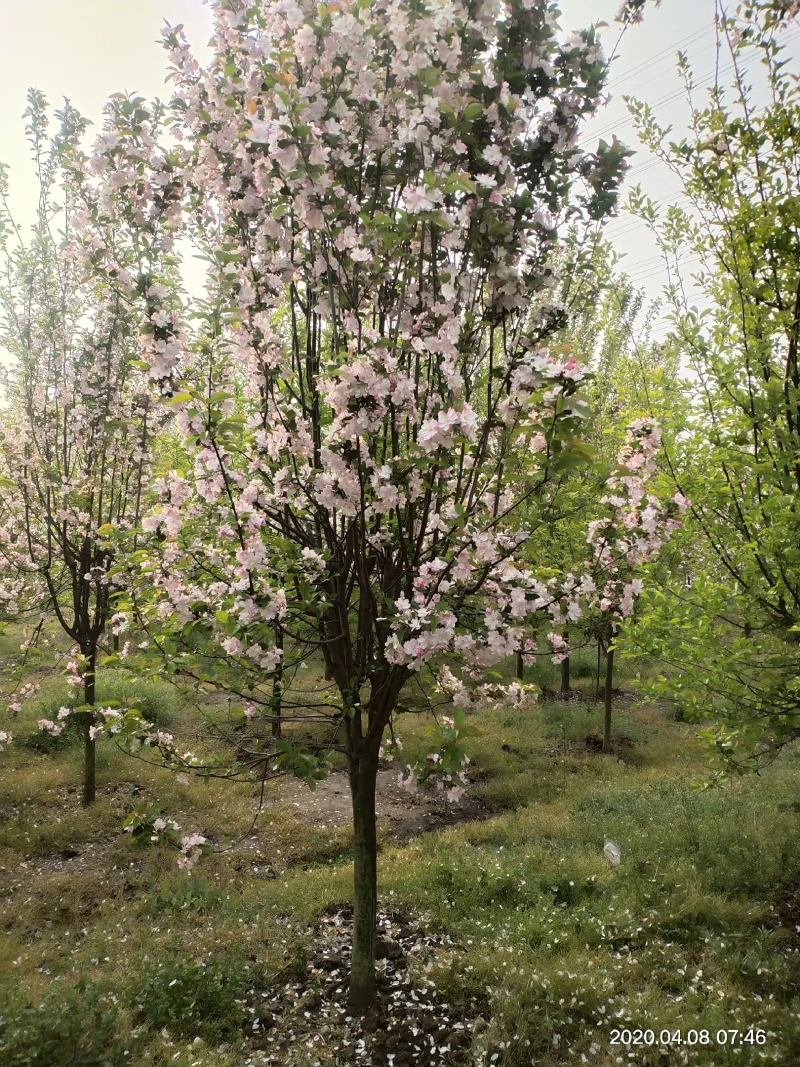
[75,422]
[730,631]
[608,332]
[377,189]
[632,533]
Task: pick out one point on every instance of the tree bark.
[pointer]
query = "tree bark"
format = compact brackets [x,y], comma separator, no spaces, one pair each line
[608,694]
[276,704]
[363,771]
[565,676]
[88,723]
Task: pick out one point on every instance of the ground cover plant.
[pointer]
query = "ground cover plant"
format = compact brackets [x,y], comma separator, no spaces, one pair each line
[517,921]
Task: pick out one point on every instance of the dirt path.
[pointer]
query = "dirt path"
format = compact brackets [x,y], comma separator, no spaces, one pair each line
[405,813]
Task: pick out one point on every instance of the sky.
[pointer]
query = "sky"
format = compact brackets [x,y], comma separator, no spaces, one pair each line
[85,50]
[88,49]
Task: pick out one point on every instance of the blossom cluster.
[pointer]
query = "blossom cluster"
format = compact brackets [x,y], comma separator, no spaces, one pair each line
[638,526]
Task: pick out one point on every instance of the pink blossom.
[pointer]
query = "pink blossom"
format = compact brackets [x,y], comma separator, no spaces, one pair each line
[50,727]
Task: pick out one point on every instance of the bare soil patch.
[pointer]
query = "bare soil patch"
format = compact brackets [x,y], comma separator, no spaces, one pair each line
[557,696]
[595,744]
[404,812]
[410,1022]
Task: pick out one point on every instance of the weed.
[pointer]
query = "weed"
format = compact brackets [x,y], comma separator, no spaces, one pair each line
[66,1028]
[191,998]
[190,894]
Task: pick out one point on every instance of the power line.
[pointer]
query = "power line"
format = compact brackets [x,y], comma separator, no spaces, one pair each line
[666,53]
[646,165]
[629,224]
[641,262]
[674,94]
[652,77]
[650,262]
[643,277]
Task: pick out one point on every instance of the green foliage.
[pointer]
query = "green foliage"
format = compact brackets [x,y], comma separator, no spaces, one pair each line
[583,665]
[156,700]
[447,758]
[189,894]
[76,1027]
[726,619]
[147,824]
[744,685]
[190,998]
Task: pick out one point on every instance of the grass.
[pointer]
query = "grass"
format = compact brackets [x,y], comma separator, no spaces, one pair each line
[695,929]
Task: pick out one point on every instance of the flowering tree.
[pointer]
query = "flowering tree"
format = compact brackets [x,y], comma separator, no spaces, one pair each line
[633,532]
[74,429]
[609,335]
[632,11]
[376,188]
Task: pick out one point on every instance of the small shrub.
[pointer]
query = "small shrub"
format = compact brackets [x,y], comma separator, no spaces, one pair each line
[682,714]
[190,894]
[583,666]
[37,740]
[76,1026]
[192,999]
[157,701]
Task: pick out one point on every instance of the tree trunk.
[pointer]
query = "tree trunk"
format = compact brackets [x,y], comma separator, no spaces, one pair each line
[88,723]
[608,695]
[363,772]
[597,675]
[276,703]
[565,676]
[520,667]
